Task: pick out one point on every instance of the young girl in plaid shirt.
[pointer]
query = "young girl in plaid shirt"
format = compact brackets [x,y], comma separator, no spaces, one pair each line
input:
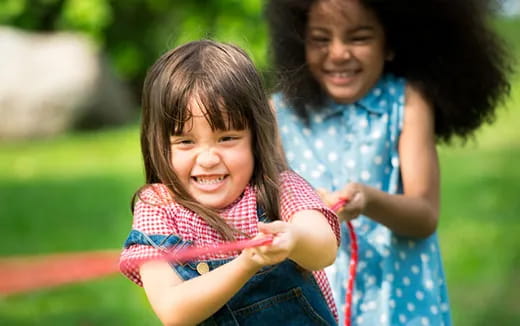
[214,174]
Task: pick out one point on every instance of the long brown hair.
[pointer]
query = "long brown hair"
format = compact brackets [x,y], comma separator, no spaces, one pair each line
[228,87]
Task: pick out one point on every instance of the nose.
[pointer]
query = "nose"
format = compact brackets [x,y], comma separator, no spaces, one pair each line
[339,51]
[208,158]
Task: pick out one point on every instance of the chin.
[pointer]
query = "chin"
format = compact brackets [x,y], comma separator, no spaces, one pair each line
[343,97]
[215,204]
[346,98]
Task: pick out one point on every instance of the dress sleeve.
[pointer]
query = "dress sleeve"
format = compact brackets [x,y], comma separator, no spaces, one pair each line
[151,217]
[298,195]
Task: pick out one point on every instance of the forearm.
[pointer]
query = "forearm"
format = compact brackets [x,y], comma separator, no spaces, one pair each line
[317,245]
[192,301]
[406,215]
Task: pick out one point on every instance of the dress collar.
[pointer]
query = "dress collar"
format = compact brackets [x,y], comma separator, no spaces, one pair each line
[246,200]
[375,101]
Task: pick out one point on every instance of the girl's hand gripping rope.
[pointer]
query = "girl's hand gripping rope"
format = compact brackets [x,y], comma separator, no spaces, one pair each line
[274,252]
[352,197]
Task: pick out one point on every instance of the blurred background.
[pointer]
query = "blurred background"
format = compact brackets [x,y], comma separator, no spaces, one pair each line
[70,78]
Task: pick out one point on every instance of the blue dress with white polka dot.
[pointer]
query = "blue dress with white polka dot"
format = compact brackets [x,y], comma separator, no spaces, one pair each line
[399,280]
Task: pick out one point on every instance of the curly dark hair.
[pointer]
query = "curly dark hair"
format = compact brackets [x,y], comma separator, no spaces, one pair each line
[446,48]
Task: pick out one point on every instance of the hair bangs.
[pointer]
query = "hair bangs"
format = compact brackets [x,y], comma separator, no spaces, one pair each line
[224,106]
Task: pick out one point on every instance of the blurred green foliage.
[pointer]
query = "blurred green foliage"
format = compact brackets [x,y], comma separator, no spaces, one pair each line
[133,33]
[72,193]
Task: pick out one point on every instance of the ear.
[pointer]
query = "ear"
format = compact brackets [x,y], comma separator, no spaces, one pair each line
[390,55]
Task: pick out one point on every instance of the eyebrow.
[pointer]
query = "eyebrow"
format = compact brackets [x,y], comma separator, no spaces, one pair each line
[362,28]
[353,30]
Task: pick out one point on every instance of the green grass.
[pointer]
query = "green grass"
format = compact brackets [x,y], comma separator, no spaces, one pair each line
[72,193]
[478,232]
[479,224]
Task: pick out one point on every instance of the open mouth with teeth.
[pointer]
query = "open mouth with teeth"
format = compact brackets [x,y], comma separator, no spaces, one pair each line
[341,74]
[341,77]
[206,180]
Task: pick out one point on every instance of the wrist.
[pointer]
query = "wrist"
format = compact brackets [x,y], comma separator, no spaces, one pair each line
[365,196]
[247,263]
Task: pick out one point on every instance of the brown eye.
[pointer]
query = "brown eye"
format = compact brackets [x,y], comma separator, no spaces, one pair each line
[318,40]
[361,38]
[182,142]
[227,138]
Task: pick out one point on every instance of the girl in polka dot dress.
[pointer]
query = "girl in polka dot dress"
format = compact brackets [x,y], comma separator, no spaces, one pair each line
[214,173]
[367,88]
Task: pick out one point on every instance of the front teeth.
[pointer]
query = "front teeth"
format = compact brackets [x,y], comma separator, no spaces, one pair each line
[205,181]
[342,74]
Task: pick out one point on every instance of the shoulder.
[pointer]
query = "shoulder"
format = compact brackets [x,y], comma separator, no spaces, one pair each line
[418,122]
[155,210]
[386,96]
[279,103]
[416,105]
[393,88]
[389,85]
[298,195]
[155,194]
[295,191]
[291,179]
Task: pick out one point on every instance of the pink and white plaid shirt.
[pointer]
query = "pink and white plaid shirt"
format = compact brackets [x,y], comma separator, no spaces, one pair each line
[156,213]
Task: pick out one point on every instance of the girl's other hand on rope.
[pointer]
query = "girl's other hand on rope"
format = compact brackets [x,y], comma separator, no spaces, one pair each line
[354,195]
[284,241]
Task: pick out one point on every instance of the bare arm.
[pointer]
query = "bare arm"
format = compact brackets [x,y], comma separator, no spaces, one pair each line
[178,302]
[415,212]
[307,239]
[317,246]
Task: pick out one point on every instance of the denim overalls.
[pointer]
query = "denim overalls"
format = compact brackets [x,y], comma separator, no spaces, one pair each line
[281,294]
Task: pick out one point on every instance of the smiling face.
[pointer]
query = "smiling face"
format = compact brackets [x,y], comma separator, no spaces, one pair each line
[214,166]
[345,48]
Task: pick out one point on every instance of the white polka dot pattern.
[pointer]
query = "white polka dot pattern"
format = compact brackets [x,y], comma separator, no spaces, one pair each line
[399,281]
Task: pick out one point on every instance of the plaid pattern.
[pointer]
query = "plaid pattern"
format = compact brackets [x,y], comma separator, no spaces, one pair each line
[156,213]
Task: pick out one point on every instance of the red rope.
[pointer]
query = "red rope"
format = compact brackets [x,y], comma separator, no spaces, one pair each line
[24,274]
[190,253]
[353,264]
[29,273]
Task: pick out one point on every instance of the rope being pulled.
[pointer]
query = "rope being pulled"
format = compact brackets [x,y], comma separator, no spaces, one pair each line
[30,273]
[353,264]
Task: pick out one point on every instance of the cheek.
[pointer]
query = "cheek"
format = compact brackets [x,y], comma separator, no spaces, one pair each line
[244,163]
[313,61]
[180,165]
[374,55]
[313,56]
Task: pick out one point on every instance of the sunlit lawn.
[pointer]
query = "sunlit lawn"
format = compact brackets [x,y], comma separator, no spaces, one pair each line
[72,194]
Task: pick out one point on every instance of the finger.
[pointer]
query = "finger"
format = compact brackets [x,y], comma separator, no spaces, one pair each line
[339,204]
[356,197]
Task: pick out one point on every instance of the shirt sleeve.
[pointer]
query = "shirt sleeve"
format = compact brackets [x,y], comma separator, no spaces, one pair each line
[298,195]
[151,217]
